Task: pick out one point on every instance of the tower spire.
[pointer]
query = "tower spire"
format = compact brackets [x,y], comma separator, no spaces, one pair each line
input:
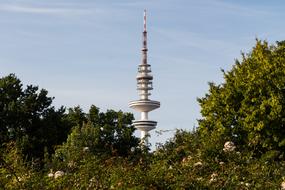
[144,85]
[144,48]
[144,20]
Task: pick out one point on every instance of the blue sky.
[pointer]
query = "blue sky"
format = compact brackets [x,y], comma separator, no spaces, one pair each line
[86,52]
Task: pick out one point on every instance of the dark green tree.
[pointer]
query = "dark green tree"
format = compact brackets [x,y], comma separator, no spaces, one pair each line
[28,118]
[104,134]
[76,116]
[249,107]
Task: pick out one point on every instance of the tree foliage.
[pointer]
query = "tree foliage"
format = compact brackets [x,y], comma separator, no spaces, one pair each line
[28,118]
[249,107]
[103,134]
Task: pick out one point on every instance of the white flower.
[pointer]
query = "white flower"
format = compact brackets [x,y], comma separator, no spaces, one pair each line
[58,174]
[213,177]
[50,175]
[222,163]
[185,160]
[246,184]
[198,164]
[199,178]
[283,185]
[229,146]
[86,149]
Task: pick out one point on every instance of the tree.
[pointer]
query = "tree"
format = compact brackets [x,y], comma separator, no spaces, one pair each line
[249,107]
[103,134]
[28,118]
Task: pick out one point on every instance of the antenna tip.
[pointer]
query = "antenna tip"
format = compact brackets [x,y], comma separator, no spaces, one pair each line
[144,19]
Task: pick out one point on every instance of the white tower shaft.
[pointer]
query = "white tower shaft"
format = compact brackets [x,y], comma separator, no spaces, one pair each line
[144,85]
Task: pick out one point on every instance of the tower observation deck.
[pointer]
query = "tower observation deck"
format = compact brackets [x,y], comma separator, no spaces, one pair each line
[144,86]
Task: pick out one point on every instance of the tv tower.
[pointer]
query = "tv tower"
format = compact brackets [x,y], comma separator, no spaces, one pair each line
[144,85]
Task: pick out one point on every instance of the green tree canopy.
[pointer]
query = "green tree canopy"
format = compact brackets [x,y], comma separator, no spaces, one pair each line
[28,118]
[249,107]
[104,135]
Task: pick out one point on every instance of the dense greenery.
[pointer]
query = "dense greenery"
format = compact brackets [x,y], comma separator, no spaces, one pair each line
[249,107]
[239,143]
[28,118]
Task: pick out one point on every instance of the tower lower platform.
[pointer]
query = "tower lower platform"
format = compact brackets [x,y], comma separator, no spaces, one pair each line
[144,105]
[144,125]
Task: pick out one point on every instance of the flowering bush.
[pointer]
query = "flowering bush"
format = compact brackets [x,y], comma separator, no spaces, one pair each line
[181,163]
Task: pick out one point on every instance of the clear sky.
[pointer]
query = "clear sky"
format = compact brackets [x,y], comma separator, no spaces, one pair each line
[86,51]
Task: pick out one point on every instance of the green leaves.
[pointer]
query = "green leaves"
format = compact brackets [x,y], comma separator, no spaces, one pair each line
[109,133]
[28,118]
[250,103]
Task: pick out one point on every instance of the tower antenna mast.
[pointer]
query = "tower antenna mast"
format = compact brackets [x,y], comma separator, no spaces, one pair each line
[144,20]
